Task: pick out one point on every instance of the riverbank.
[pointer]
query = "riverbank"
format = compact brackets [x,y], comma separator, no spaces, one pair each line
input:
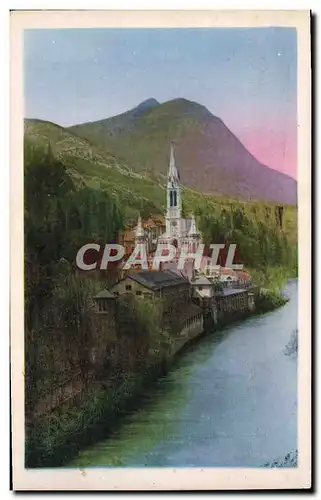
[229,401]
[56,438]
[267,301]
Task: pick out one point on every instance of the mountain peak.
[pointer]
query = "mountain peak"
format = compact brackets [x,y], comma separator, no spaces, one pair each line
[148,103]
[182,106]
[210,157]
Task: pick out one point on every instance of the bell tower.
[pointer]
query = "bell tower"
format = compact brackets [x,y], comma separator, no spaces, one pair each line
[174,205]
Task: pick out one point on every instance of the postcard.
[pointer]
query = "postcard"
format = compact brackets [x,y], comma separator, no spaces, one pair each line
[160,239]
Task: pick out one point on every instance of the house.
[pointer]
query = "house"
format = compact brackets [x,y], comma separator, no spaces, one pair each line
[167,283]
[171,286]
[202,287]
[154,228]
[127,240]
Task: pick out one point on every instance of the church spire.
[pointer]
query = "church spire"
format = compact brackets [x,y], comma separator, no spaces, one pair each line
[173,175]
[139,233]
[193,229]
[139,228]
[173,214]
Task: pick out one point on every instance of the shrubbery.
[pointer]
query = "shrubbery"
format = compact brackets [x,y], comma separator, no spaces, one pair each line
[269,300]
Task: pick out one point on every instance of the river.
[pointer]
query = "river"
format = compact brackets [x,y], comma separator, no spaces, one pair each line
[228,402]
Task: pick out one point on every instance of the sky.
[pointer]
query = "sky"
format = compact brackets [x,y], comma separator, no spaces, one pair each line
[245,76]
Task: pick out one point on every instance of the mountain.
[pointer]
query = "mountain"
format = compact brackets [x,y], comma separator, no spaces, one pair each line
[209,156]
[118,124]
[96,168]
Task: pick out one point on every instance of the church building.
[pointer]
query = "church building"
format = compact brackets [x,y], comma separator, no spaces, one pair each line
[178,231]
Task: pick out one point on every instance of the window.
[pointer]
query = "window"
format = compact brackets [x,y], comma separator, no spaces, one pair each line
[139,292]
[128,287]
[200,288]
[175,199]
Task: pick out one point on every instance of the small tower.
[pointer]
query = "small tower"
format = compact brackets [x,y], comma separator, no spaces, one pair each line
[194,236]
[173,214]
[139,234]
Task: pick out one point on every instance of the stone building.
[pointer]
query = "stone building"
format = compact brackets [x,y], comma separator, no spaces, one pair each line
[202,288]
[172,287]
[165,284]
[231,300]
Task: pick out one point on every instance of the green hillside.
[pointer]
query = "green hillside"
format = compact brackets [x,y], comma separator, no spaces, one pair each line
[64,143]
[95,168]
[142,141]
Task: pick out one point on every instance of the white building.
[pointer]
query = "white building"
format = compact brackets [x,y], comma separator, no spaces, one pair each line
[179,231]
[202,287]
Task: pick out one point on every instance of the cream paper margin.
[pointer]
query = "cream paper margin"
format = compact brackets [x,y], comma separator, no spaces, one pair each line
[159,478]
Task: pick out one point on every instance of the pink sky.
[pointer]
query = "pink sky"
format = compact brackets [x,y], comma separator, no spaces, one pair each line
[275,148]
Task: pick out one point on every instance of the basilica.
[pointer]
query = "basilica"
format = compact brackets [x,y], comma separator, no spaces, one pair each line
[173,229]
[178,231]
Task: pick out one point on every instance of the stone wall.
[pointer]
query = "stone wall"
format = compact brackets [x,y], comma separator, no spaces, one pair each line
[192,327]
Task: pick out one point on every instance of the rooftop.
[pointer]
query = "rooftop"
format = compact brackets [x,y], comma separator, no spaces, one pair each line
[201,280]
[105,294]
[156,280]
[231,291]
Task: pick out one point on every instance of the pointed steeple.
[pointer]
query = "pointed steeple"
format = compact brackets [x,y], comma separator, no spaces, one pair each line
[174,204]
[140,236]
[139,229]
[193,231]
[173,174]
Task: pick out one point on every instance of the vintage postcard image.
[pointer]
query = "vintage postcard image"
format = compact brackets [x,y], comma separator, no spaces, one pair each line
[160,250]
